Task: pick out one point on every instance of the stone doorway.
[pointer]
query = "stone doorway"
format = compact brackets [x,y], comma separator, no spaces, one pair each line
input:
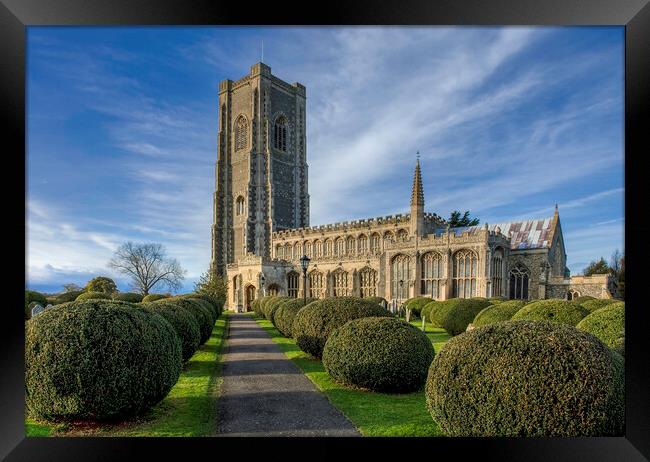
[250,296]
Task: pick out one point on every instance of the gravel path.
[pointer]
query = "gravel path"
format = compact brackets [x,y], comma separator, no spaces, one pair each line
[265,394]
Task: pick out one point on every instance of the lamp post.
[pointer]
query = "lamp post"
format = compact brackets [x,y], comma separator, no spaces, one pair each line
[262,281]
[304,263]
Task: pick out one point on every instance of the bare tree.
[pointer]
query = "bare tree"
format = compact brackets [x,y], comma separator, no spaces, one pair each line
[147,265]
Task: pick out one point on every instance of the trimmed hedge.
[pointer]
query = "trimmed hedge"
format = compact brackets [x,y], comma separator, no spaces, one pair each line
[154,297]
[416,304]
[273,305]
[285,314]
[526,378]
[33,296]
[380,354]
[184,323]
[597,303]
[93,296]
[455,314]
[314,323]
[98,359]
[608,324]
[502,311]
[131,297]
[554,309]
[201,313]
[584,298]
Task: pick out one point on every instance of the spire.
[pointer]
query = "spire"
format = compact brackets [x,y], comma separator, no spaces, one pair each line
[556,213]
[417,195]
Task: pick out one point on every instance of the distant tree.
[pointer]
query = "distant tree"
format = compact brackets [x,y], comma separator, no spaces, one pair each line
[212,285]
[458,221]
[597,267]
[101,284]
[147,265]
[617,268]
[72,287]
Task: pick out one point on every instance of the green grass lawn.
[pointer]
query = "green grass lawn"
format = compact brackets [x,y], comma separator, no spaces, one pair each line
[188,410]
[374,414]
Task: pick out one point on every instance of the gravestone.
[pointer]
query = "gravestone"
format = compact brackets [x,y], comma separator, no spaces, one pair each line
[423,326]
[37,309]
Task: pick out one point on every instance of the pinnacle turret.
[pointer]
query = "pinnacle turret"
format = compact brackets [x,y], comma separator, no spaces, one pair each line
[417,194]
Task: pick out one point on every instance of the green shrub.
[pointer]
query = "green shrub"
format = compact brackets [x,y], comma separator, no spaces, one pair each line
[526,378]
[584,298]
[154,297]
[98,359]
[265,302]
[598,303]
[101,284]
[93,296]
[459,313]
[498,299]
[33,296]
[273,305]
[184,323]
[426,310]
[69,296]
[131,297]
[255,306]
[202,314]
[380,354]
[286,312]
[214,304]
[416,304]
[314,323]
[378,300]
[553,309]
[503,311]
[608,324]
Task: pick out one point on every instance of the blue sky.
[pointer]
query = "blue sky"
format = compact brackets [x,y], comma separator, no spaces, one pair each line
[122,127]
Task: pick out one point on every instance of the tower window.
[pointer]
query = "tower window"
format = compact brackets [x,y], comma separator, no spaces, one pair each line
[239,206]
[241,133]
[280,134]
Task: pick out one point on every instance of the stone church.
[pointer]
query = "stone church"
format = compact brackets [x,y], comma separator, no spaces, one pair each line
[261,224]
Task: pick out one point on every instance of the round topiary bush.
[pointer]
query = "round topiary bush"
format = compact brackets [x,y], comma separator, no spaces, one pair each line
[213,304]
[202,314]
[154,297]
[255,306]
[584,298]
[184,323]
[498,299]
[93,296]
[314,323]
[503,311]
[608,324]
[264,303]
[378,300]
[286,312]
[98,359]
[208,306]
[130,297]
[380,354]
[426,310]
[33,296]
[416,304]
[457,313]
[526,378]
[597,303]
[69,296]
[553,309]
[273,305]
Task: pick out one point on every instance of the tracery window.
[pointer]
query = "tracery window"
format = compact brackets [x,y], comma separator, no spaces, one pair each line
[340,279]
[339,248]
[279,251]
[519,280]
[401,275]
[465,277]
[241,133]
[328,248]
[375,244]
[239,205]
[350,247]
[292,284]
[280,134]
[572,295]
[497,273]
[368,282]
[316,289]
[273,289]
[388,237]
[288,251]
[318,249]
[297,250]
[432,275]
[402,235]
[308,249]
[363,244]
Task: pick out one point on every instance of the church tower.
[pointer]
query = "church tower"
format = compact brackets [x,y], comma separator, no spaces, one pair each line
[261,169]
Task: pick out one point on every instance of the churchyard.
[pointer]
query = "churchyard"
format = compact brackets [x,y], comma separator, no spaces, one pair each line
[180,366]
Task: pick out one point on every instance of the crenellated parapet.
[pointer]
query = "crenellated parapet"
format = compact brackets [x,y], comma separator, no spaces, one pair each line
[367,224]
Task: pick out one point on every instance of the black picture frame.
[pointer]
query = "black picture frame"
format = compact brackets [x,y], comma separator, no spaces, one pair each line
[634,15]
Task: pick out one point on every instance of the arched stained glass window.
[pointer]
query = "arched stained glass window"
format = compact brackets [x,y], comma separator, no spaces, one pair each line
[519,280]
[363,244]
[316,288]
[368,282]
[375,244]
[401,275]
[497,273]
[340,280]
[292,284]
[433,274]
[465,276]
[351,246]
